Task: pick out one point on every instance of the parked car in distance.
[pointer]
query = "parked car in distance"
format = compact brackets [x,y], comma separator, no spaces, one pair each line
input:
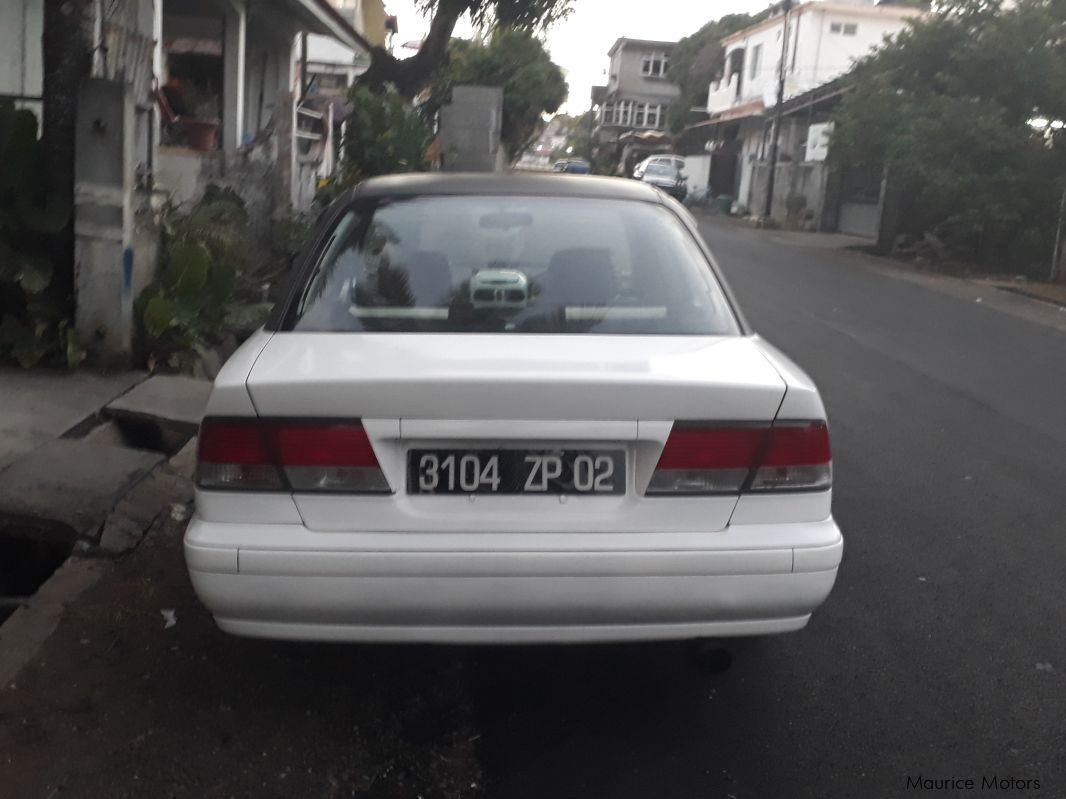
[668,178]
[574,165]
[676,161]
[510,408]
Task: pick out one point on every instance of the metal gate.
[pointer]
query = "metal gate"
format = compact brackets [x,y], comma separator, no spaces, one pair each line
[860,202]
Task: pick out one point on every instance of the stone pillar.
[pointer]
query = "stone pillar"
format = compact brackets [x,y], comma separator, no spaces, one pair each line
[103,219]
[470,129]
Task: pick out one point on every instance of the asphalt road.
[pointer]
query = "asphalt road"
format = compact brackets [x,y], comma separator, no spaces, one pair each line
[942,650]
[941,653]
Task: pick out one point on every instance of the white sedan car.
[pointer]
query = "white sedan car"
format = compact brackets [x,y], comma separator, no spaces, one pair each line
[511,409]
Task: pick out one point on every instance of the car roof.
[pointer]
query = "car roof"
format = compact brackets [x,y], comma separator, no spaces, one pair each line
[418,184]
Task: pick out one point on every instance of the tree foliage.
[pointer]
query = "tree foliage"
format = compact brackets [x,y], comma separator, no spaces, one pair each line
[699,59]
[384,135]
[946,108]
[515,60]
[411,75]
[578,132]
[34,324]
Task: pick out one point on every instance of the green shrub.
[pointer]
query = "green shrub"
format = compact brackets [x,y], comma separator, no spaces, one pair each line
[209,288]
[34,327]
[385,134]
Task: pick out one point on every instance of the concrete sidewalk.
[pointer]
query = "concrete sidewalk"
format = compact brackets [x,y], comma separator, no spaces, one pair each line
[39,406]
[73,444]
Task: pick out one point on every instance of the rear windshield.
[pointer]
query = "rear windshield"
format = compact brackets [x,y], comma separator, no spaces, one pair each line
[663,170]
[513,265]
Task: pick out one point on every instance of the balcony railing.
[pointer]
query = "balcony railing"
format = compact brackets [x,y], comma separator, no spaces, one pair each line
[722,94]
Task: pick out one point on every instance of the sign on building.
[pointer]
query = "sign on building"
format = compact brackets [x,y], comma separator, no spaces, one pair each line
[818,141]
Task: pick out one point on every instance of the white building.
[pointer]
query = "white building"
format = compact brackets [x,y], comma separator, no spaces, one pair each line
[823,41]
[178,95]
[332,66]
[633,105]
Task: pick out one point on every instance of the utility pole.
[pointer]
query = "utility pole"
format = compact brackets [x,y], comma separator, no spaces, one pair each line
[775,135]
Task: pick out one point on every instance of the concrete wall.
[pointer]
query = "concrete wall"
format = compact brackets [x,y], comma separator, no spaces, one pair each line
[470,129]
[21,70]
[805,180]
[105,265]
[626,78]
[373,21]
[698,171]
[751,137]
[824,55]
[815,54]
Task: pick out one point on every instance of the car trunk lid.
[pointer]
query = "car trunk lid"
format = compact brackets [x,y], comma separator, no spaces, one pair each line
[418,391]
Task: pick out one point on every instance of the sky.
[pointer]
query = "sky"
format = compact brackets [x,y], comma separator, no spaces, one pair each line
[579,45]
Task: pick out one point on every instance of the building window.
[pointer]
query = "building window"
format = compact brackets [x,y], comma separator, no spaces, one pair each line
[607,114]
[654,116]
[623,112]
[845,28]
[638,116]
[850,29]
[756,59]
[655,65]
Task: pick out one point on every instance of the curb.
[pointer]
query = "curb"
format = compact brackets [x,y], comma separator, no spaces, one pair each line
[1031,295]
[27,629]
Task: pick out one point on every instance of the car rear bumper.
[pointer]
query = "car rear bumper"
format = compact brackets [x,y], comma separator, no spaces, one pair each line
[312,589]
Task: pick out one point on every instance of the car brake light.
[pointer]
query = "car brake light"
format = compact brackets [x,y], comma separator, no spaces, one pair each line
[702,459]
[720,459]
[235,455]
[797,457]
[335,457]
[267,455]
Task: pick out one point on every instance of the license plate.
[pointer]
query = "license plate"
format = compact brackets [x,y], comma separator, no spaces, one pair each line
[516,471]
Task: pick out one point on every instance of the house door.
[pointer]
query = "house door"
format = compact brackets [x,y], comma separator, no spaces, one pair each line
[725,163]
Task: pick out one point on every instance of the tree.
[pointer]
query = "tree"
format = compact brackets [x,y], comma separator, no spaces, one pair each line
[66,54]
[945,108]
[515,60]
[699,59]
[578,132]
[410,75]
[384,135]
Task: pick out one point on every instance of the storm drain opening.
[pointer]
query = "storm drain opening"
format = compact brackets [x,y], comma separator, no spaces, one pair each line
[136,432]
[30,552]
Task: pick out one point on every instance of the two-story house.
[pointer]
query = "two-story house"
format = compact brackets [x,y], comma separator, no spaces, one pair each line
[632,106]
[822,41]
[332,66]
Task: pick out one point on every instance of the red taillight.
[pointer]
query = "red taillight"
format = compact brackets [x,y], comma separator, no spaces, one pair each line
[712,448]
[235,454]
[232,442]
[711,459]
[798,457]
[324,445]
[300,456]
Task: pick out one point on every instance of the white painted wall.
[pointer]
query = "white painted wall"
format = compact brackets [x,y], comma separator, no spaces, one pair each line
[824,55]
[698,171]
[751,135]
[327,50]
[268,72]
[21,26]
[815,53]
